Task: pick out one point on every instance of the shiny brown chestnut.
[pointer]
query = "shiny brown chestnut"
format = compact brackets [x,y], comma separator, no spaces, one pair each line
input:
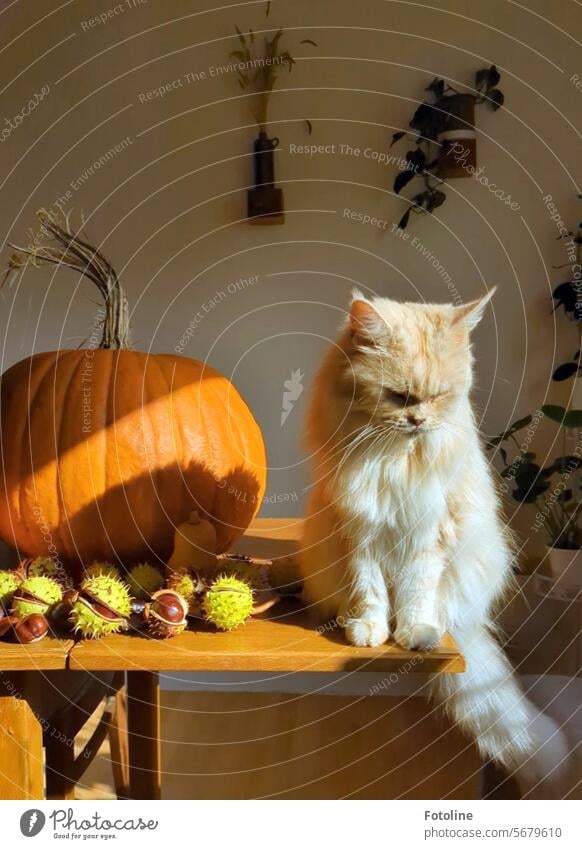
[7,624]
[166,614]
[169,605]
[61,617]
[31,628]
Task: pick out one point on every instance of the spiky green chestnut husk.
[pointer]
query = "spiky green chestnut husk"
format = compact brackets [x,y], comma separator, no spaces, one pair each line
[247,569]
[190,587]
[36,595]
[8,585]
[144,580]
[101,567]
[48,567]
[113,594]
[228,603]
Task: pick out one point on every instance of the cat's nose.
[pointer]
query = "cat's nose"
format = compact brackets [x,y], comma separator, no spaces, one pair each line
[415,420]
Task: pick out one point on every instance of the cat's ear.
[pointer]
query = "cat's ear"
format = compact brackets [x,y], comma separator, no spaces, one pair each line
[367,326]
[471,314]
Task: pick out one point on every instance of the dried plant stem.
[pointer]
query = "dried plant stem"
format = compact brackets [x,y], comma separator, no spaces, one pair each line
[67,248]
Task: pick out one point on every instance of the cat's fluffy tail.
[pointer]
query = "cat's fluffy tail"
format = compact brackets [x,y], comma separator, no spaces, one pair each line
[487,702]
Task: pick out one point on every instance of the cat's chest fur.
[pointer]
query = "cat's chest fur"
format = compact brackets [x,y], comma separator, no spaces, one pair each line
[398,496]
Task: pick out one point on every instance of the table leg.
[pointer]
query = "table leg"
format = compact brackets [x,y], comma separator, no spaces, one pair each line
[21,752]
[119,745]
[143,721]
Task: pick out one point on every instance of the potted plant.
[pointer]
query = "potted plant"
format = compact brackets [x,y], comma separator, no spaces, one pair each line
[555,488]
[258,71]
[444,138]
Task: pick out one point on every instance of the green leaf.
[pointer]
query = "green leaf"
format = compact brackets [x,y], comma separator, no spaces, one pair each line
[268,9]
[573,418]
[519,424]
[553,412]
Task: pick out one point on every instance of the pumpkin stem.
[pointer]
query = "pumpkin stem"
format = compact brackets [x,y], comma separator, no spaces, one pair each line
[70,250]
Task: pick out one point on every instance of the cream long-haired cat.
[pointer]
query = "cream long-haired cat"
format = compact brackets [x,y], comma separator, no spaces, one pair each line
[403,534]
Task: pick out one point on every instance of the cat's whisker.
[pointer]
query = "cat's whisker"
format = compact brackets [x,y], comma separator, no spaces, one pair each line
[346,453]
[355,435]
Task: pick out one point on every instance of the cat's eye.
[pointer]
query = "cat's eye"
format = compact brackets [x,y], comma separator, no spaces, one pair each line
[402,399]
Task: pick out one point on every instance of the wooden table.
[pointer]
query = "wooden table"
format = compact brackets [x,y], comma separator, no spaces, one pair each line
[284,640]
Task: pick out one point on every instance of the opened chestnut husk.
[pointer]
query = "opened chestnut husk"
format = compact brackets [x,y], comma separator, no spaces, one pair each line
[166,614]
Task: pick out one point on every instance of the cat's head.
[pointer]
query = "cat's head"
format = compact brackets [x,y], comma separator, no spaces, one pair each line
[409,365]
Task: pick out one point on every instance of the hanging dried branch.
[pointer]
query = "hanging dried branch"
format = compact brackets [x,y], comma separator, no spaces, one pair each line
[261,71]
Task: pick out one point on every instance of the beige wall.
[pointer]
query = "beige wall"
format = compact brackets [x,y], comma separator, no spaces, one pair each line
[170,205]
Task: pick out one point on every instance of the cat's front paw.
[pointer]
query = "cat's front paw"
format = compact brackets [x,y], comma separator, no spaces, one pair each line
[418,637]
[367,632]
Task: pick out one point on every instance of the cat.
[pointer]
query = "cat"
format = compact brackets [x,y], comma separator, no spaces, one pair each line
[403,535]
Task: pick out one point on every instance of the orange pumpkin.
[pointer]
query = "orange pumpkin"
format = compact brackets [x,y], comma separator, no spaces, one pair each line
[106,451]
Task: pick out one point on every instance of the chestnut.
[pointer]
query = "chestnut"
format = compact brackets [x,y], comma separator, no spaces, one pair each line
[169,605]
[166,614]
[31,628]
[61,617]
[7,624]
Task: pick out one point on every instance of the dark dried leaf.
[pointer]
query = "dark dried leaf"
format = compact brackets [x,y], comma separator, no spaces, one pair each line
[565,464]
[437,87]
[565,296]
[496,99]
[437,198]
[402,224]
[481,79]
[565,371]
[494,77]
[402,179]
[416,159]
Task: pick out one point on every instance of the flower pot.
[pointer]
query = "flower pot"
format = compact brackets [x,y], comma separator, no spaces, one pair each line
[458,153]
[566,565]
[265,200]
